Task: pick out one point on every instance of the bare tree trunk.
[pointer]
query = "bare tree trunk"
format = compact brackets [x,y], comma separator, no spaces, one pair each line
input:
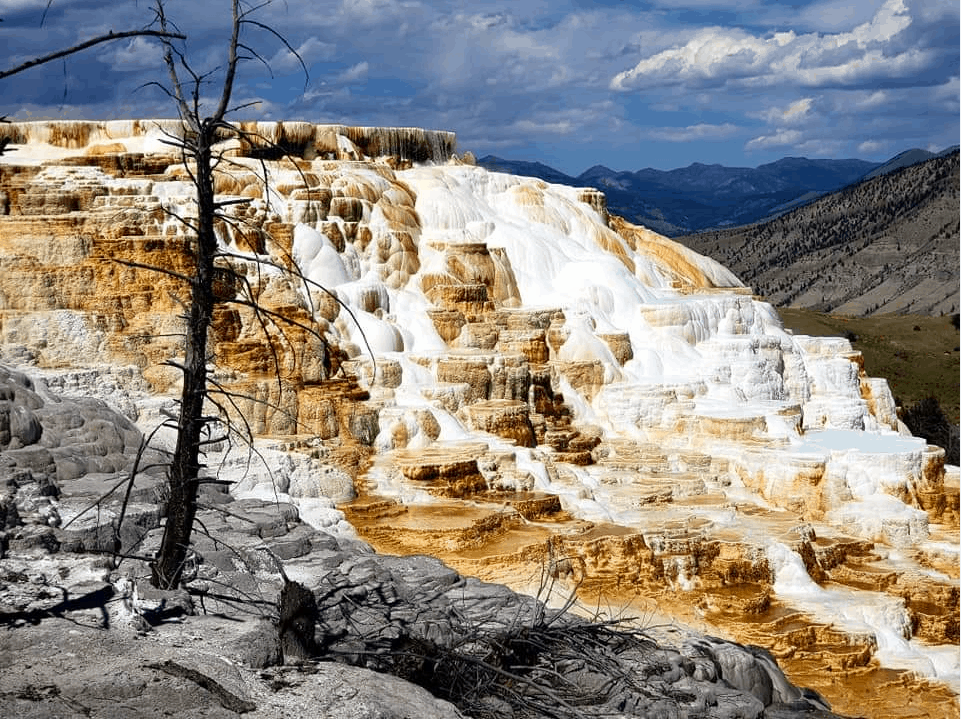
[197,147]
[298,620]
[183,475]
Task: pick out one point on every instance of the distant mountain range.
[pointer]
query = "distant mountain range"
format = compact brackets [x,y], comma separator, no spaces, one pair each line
[699,197]
[889,244]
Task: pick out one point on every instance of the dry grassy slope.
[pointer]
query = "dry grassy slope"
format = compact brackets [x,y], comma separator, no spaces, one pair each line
[886,245]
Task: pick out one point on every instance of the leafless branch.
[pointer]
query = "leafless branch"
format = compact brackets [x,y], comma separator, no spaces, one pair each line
[90,43]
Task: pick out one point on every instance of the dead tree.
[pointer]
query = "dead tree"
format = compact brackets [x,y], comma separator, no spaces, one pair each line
[197,144]
[184,473]
[201,132]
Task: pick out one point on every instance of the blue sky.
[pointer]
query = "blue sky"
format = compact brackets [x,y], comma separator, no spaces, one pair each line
[569,83]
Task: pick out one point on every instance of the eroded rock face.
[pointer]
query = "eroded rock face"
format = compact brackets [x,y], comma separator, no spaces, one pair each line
[437,620]
[51,447]
[60,439]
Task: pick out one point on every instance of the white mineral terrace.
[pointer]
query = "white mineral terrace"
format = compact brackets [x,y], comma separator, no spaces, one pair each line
[657,346]
[63,138]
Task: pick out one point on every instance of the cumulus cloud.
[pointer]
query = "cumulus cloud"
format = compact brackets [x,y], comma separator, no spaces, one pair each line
[796,112]
[537,76]
[137,54]
[719,55]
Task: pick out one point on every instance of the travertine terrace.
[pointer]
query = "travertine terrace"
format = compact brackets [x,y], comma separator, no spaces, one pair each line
[514,380]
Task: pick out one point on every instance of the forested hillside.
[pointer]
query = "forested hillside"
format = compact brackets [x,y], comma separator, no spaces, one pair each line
[886,245]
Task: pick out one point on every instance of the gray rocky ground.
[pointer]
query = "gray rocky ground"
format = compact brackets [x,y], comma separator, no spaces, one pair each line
[388,637]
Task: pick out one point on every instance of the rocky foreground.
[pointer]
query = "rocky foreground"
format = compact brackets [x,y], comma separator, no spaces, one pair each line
[84,634]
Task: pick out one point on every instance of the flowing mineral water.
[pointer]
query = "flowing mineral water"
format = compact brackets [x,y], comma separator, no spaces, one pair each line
[881,615]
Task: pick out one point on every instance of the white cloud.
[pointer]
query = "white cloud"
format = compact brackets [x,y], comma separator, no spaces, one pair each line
[870,100]
[559,127]
[701,131]
[891,19]
[371,12]
[870,147]
[822,147]
[711,53]
[311,50]
[948,94]
[870,66]
[781,138]
[721,55]
[538,74]
[355,73]
[139,53]
[501,50]
[798,111]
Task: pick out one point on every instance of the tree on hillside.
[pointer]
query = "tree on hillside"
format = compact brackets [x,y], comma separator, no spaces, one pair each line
[926,419]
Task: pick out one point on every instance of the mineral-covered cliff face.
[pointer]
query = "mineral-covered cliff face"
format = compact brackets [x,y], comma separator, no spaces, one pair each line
[609,404]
